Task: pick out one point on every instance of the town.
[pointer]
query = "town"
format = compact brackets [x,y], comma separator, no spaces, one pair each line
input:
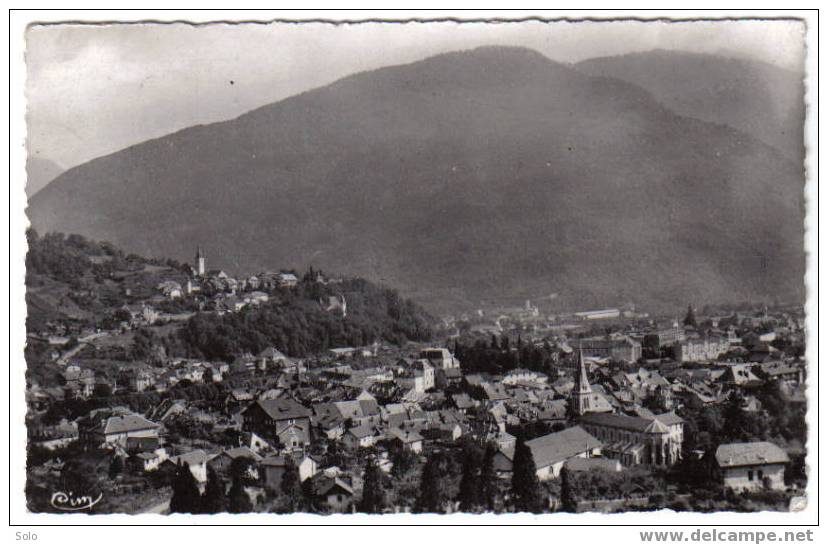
[165,387]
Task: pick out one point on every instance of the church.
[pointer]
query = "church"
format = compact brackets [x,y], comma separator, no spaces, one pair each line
[633,440]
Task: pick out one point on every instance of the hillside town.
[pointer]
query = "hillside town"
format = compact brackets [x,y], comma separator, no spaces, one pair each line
[500,410]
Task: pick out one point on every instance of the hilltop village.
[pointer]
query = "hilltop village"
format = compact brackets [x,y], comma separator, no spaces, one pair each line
[156,386]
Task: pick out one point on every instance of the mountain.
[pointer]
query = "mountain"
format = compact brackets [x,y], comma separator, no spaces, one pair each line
[463,178]
[760,99]
[39,172]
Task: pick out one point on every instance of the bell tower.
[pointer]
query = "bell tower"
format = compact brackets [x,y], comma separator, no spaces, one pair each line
[580,402]
[200,262]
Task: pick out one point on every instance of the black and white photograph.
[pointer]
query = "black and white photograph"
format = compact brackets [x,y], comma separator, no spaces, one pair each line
[334,268]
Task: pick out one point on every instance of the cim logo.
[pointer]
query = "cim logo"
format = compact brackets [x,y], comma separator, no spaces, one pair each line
[68,501]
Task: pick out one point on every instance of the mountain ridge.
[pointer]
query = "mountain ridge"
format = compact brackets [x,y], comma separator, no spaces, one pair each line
[407,175]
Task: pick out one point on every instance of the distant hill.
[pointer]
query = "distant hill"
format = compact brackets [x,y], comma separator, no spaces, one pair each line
[39,173]
[81,283]
[463,178]
[760,99]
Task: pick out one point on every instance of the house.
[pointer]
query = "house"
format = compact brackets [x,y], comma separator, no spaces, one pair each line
[170,289]
[196,460]
[752,466]
[361,437]
[284,419]
[739,375]
[410,439]
[440,358]
[447,377]
[244,364]
[273,469]
[333,492]
[419,379]
[237,398]
[149,461]
[790,374]
[141,380]
[115,427]
[463,402]
[328,421]
[360,412]
[272,357]
[552,451]
[220,463]
[287,280]
[256,298]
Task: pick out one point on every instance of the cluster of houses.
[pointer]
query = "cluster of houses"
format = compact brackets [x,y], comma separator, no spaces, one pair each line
[602,418]
[606,404]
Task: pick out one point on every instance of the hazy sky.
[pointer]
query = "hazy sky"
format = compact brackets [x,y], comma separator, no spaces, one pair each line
[93,90]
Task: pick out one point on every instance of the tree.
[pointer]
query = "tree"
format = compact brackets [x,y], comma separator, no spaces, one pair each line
[116,467]
[470,496]
[214,500]
[526,492]
[488,478]
[238,500]
[738,424]
[690,317]
[291,486]
[185,498]
[402,458]
[373,493]
[433,494]
[569,502]
[241,469]
[101,390]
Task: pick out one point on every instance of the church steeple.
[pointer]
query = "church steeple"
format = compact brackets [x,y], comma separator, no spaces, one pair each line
[200,261]
[582,391]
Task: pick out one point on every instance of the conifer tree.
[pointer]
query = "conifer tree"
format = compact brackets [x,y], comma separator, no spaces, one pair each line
[238,501]
[469,495]
[569,502]
[433,493]
[290,486]
[186,498]
[214,500]
[526,491]
[488,478]
[373,493]
[116,467]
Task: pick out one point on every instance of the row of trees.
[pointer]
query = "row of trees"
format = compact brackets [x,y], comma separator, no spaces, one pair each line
[218,498]
[499,355]
[479,489]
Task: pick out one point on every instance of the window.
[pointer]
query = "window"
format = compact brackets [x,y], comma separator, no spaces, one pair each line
[761,475]
[750,474]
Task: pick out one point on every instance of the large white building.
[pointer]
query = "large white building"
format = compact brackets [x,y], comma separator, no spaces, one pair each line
[695,350]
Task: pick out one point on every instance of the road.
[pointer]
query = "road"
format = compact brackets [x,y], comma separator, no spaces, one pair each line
[82,342]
